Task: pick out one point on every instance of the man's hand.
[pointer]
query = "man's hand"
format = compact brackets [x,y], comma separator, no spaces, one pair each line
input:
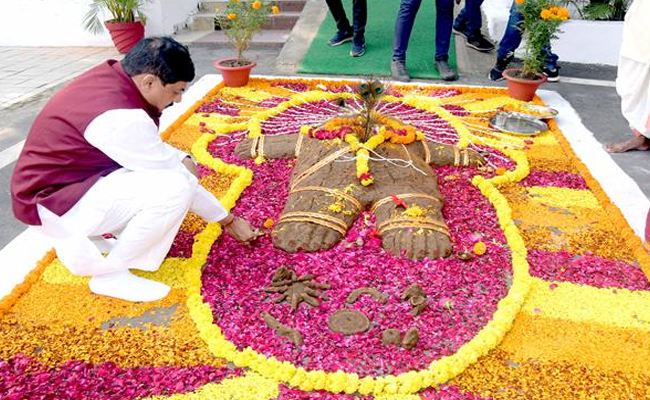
[240,229]
[476,159]
[191,166]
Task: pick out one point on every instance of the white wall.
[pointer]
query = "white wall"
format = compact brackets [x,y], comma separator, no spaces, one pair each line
[589,42]
[60,22]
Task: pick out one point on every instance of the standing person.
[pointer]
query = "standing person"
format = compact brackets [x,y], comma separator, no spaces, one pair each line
[408,9]
[633,78]
[345,32]
[509,43]
[468,24]
[93,163]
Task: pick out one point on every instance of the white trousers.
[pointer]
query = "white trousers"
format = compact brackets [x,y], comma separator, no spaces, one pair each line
[633,85]
[144,209]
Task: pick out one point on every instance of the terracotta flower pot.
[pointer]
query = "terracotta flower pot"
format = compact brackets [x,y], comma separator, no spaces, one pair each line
[521,88]
[125,34]
[234,75]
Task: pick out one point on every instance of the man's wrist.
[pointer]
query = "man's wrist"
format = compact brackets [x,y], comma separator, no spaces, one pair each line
[228,220]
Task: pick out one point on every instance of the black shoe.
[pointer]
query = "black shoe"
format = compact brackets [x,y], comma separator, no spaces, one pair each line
[398,71]
[446,72]
[480,43]
[496,73]
[358,48]
[552,74]
[459,30]
[340,38]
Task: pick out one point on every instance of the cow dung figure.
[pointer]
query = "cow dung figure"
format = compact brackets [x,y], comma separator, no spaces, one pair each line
[326,196]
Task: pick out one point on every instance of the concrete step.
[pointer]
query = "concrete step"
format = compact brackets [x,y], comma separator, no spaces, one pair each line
[285,5]
[270,39]
[204,21]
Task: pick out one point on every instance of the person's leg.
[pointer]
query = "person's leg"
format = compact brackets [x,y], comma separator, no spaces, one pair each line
[408,9]
[551,69]
[474,17]
[444,21]
[343,29]
[509,43]
[633,85]
[149,233]
[468,23]
[460,23]
[148,208]
[512,36]
[359,17]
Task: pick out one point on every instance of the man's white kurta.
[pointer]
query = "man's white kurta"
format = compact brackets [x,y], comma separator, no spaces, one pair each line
[633,80]
[143,203]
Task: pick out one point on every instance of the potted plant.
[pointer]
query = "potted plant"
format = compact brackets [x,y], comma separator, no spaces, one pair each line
[126,26]
[541,20]
[240,20]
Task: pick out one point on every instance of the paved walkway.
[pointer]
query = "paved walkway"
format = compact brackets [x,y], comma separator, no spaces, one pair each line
[28,71]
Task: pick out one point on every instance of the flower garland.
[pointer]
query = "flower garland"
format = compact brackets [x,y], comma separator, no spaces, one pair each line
[254,124]
[363,150]
[439,371]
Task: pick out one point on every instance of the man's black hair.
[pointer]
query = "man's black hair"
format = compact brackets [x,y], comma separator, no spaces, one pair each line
[160,56]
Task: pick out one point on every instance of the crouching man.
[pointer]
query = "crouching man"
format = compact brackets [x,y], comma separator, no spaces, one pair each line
[93,163]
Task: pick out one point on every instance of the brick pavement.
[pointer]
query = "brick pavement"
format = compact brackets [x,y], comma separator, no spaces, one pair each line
[28,71]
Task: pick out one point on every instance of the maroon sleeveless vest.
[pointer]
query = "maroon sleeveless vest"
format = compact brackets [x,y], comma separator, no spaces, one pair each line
[57,166]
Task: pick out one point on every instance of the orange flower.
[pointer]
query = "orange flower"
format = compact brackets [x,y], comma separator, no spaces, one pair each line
[275,10]
[257,5]
[546,14]
[501,171]
[231,16]
[519,2]
[479,248]
[269,223]
[563,13]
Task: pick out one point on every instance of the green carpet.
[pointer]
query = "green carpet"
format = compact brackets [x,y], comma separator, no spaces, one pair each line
[323,59]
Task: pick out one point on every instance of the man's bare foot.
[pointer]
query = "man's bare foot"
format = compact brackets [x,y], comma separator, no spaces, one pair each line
[636,143]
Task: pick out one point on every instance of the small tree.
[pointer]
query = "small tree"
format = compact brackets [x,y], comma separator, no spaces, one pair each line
[541,22]
[240,20]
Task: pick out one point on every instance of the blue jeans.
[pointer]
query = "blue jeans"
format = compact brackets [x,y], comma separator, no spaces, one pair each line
[512,39]
[408,9]
[469,20]
[359,17]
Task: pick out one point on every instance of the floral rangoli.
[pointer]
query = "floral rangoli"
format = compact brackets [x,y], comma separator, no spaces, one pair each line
[543,294]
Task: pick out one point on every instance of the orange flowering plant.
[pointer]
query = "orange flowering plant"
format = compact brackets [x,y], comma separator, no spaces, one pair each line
[541,22]
[241,19]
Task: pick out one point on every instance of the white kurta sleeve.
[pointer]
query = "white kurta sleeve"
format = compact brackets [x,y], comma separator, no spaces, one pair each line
[131,139]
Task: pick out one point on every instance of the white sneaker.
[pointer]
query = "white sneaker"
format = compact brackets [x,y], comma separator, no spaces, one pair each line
[126,286]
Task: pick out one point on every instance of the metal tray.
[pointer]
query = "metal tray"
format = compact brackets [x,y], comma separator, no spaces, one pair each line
[516,124]
[536,112]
